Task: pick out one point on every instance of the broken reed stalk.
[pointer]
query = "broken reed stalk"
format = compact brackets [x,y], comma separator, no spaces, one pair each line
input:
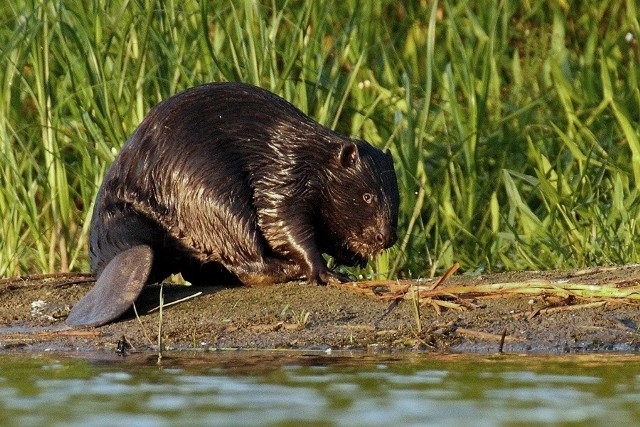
[445,276]
[144,330]
[533,288]
[416,309]
[160,323]
[197,294]
[427,293]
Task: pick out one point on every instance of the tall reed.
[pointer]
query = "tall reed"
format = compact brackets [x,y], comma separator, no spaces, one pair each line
[515,125]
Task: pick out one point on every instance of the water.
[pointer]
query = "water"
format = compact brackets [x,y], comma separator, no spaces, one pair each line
[314,389]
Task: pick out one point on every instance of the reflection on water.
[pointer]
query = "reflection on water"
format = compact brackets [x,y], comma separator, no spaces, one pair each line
[291,389]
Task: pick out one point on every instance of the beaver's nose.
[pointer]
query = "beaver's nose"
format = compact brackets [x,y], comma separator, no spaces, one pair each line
[387,238]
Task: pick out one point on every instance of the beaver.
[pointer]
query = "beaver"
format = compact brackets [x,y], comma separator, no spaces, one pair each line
[231,179]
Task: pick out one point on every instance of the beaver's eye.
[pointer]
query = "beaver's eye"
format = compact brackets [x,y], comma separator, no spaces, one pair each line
[367,197]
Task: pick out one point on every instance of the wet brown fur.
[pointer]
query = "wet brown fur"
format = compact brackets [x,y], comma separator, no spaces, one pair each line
[230,178]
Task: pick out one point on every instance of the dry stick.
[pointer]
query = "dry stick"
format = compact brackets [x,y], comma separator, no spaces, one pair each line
[446,275]
[77,278]
[573,307]
[600,294]
[389,309]
[46,334]
[43,276]
[15,285]
[144,331]
[197,294]
[540,287]
[74,282]
[485,336]
[504,335]
[592,270]
[416,309]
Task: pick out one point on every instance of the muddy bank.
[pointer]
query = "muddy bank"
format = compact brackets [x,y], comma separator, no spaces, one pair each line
[302,316]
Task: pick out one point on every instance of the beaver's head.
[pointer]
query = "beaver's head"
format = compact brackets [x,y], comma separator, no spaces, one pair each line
[360,203]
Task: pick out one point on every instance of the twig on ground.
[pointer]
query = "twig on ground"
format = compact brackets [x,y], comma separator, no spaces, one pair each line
[572,307]
[502,338]
[446,275]
[50,334]
[61,279]
[484,336]
[197,294]
[460,295]
[144,331]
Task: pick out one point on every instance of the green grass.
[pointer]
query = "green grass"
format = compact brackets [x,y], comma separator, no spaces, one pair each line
[514,125]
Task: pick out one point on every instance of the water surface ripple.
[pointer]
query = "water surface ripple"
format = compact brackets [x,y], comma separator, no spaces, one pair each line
[283,389]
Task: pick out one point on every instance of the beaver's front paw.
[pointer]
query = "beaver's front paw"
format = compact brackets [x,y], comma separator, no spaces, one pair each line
[325,276]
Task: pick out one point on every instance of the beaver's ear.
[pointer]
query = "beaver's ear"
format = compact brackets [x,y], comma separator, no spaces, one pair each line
[348,154]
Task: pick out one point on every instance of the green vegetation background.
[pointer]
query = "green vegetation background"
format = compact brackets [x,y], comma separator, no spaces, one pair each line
[514,124]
